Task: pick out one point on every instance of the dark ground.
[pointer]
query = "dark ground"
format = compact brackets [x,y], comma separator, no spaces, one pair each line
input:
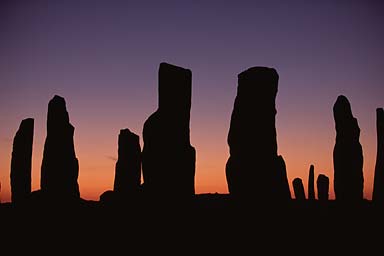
[209,223]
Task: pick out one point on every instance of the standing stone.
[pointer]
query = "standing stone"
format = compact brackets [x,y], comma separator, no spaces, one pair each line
[60,168]
[298,189]
[21,162]
[252,168]
[282,184]
[378,185]
[168,159]
[128,165]
[322,187]
[347,154]
[311,183]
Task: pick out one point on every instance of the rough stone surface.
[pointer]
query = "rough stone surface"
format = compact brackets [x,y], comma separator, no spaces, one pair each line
[60,168]
[21,162]
[347,154]
[378,187]
[168,159]
[252,169]
[128,165]
[322,187]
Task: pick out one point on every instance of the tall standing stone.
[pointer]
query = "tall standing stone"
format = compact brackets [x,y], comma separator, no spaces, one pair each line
[60,168]
[378,185]
[322,187]
[311,183]
[128,165]
[298,189]
[282,191]
[252,168]
[168,159]
[347,154]
[21,162]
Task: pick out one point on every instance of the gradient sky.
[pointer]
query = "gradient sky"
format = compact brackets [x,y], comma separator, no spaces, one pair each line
[103,58]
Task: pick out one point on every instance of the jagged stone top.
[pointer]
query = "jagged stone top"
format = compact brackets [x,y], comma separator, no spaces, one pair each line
[58,101]
[258,78]
[127,135]
[127,132]
[57,113]
[322,178]
[58,106]
[342,109]
[346,124]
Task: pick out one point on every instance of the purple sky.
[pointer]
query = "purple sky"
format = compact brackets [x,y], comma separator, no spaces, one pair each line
[103,57]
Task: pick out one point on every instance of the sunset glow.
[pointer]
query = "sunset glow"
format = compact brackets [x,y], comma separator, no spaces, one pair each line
[103,58]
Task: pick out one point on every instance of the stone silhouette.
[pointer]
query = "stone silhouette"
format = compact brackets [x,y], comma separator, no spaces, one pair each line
[252,168]
[298,189]
[60,168]
[311,183]
[347,154]
[378,184]
[282,190]
[21,162]
[109,196]
[322,187]
[168,159]
[128,165]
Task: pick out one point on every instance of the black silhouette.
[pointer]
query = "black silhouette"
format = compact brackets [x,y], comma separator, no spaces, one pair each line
[251,169]
[60,168]
[322,187]
[254,172]
[128,165]
[311,183]
[21,162]
[109,196]
[378,183]
[347,154]
[282,190]
[168,159]
[298,189]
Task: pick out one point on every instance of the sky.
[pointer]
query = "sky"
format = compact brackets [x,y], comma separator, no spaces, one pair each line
[103,58]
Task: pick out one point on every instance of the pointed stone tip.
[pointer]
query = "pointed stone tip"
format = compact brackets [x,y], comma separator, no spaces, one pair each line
[342,106]
[280,162]
[342,100]
[164,66]
[57,100]
[127,132]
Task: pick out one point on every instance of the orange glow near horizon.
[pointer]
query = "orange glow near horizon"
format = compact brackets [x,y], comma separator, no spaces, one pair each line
[103,59]
[299,149]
